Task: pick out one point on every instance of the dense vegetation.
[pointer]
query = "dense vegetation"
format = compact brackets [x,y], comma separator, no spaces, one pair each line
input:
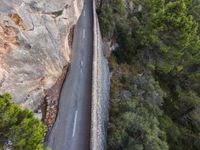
[19,129]
[155,90]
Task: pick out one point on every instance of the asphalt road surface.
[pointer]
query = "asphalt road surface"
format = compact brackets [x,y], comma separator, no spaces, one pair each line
[71,130]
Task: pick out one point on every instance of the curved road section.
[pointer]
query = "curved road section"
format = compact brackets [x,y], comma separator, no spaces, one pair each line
[71,130]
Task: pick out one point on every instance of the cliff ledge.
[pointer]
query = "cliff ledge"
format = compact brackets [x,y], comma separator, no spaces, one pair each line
[35,37]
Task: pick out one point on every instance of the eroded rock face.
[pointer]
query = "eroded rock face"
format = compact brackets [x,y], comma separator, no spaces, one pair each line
[34,46]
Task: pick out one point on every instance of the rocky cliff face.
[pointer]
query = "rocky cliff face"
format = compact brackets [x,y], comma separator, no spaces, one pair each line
[35,37]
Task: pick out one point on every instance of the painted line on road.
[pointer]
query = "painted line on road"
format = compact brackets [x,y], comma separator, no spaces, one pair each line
[83,33]
[75,123]
[84,13]
[81,66]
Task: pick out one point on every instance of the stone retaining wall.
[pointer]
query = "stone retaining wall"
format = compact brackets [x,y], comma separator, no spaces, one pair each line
[100,89]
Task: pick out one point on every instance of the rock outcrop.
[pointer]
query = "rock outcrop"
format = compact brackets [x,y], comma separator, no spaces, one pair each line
[35,37]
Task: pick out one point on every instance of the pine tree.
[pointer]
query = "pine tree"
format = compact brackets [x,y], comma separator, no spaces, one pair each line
[19,127]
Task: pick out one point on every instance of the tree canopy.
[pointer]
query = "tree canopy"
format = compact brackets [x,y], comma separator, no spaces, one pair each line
[158,61]
[19,129]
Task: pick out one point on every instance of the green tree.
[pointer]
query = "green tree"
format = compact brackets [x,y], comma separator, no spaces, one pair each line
[158,38]
[19,127]
[170,32]
[136,128]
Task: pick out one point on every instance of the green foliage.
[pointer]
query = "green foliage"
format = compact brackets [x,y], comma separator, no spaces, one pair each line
[19,127]
[136,128]
[178,137]
[161,40]
[162,33]
[107,20]
[134,125]
[108,16]
[58,13]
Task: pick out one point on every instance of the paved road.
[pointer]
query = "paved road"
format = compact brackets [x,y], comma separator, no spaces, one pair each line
[72,127]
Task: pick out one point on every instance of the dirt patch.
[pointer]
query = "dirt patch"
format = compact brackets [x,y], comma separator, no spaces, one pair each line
[8,39]
[51,100]
[17,20]
[71,36]
[50,104]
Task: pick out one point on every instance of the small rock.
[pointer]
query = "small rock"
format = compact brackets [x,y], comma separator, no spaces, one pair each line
[125,94]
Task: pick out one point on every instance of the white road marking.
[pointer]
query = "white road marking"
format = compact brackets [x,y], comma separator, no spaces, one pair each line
[74,128]
[81,70]
[81,63]
[83,33]
[84,13]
